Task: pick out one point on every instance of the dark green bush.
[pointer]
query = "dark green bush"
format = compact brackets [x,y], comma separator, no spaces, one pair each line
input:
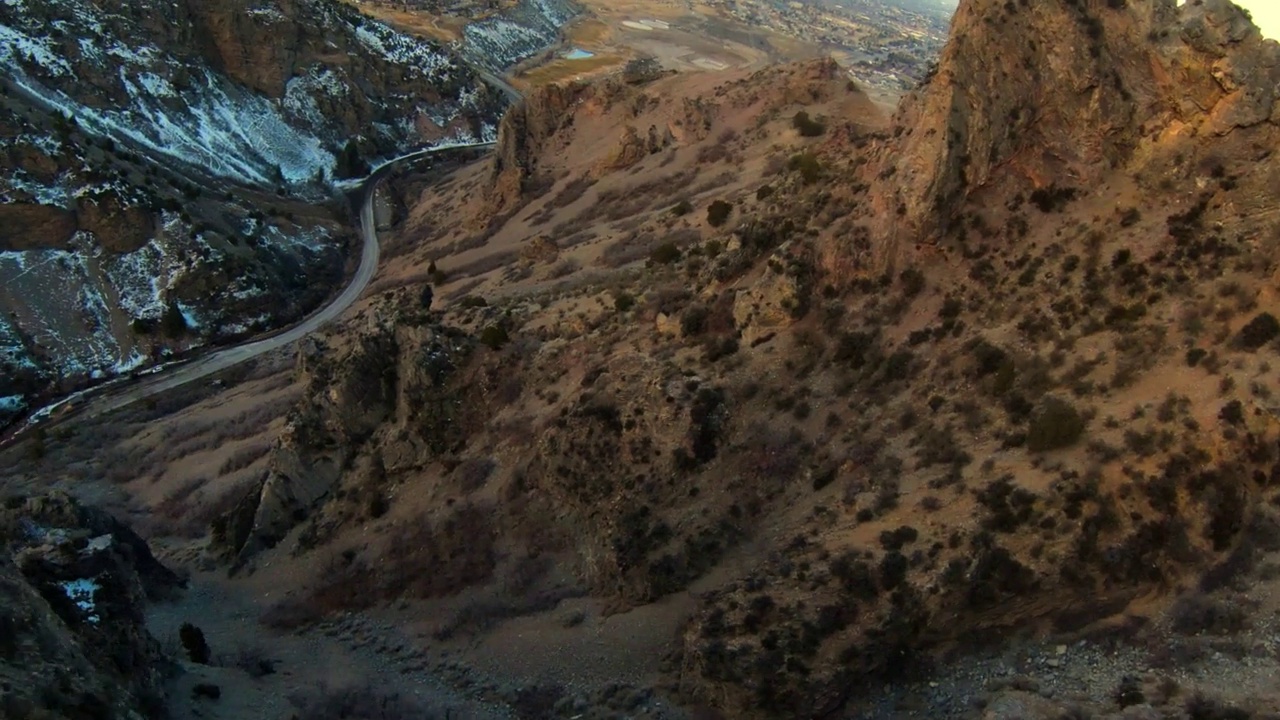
[173,323]
[1053,198]
[808,166]
[623,302]
[912,282]
[193,642]
[807,126]
[694,320]
[495,336]
[1057,424]
[718,213]
[1262,329]
[665,254]
[684,207]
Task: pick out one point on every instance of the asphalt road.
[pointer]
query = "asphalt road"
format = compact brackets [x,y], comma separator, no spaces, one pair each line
[122,392]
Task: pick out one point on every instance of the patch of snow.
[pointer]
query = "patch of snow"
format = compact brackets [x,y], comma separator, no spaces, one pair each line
[189,316]
[19,183]
[82,592]
[266,14]
[12,404]
[250,325]
[13,354]
[403,49]
[98,544]
[310,239]
[128,364]
[155,85]
[19,49]
[142,277]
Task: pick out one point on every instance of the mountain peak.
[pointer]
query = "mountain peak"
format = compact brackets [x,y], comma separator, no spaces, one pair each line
[1057,93]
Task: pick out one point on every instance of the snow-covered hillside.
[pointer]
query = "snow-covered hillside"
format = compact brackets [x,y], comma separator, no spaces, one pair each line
[507,38]
[129,133]
[109,70]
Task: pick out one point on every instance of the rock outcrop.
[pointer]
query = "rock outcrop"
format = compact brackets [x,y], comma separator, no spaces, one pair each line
[28,226]
[392,382]
[73,586]
[1040,95]
[633,147]
[523,136]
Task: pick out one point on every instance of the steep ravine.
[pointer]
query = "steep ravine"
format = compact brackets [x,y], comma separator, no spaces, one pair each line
[150,156]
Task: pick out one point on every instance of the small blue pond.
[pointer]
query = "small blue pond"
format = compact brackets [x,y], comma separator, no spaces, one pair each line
[578,54]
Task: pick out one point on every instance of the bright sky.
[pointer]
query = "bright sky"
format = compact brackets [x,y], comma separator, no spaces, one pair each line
[1266,15]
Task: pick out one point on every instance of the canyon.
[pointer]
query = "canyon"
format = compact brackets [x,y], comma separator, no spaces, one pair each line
[729,394]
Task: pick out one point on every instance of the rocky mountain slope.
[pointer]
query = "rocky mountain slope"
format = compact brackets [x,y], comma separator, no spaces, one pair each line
[727,386]
[999,365]
[150,156]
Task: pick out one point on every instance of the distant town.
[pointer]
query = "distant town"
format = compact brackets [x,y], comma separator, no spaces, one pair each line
[885,44]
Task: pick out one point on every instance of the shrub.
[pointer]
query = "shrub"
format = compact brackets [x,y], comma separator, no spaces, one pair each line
[1129,692]
[694,320]
[494,336]
[1052,198]
[206,690]
[254,661]
[665,254]
[684,207]
[896,539]
[1200,707]
[912,282]
[1261,330]
[173,323]
[764,191]
[1197,614]
[808,166]
[855,576]
[718,213]
[1232,413]
[193,642]
[472,301]
[623,302]
[807,126]
[1057,424]
[893,569]
[565,268]
[718,348]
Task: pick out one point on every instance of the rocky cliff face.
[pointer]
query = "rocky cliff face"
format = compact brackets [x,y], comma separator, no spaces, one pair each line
[1040,95]
[523,137]
[391,386]
[127,135]
[73,585]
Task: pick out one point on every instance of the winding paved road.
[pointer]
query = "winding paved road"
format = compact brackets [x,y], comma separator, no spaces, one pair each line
[119,393]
